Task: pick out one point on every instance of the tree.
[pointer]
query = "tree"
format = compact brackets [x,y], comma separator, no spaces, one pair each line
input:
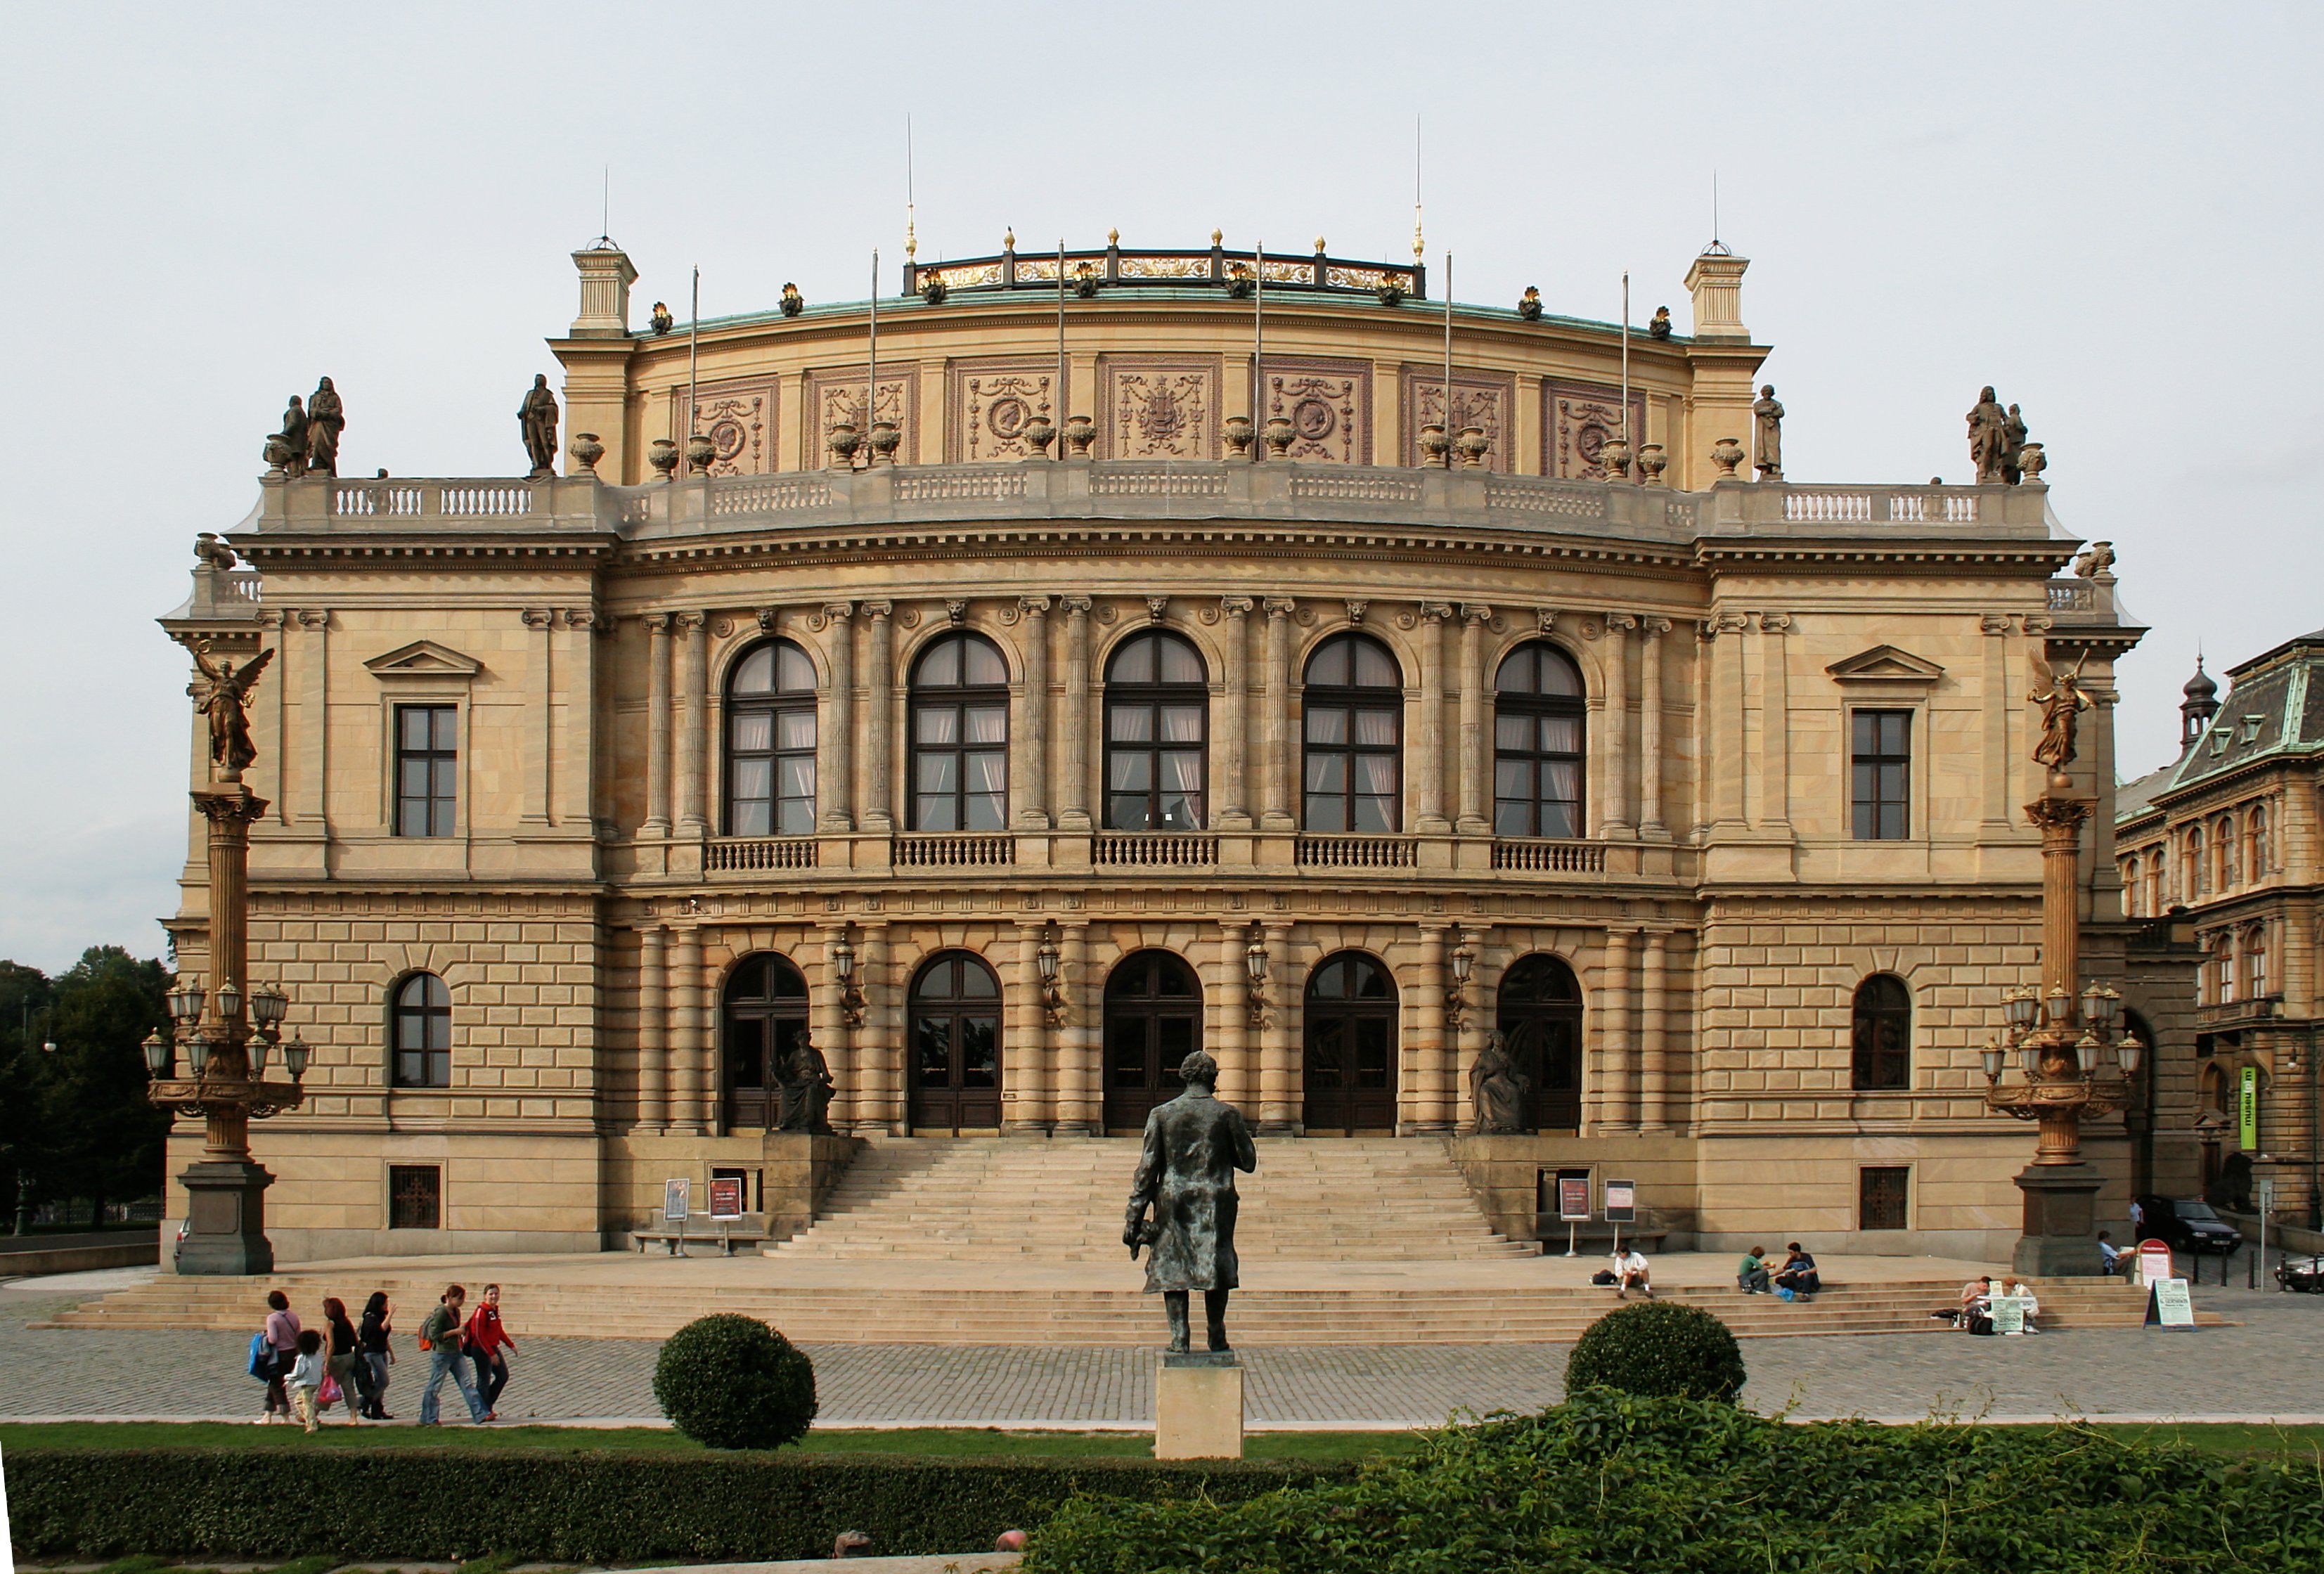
[106,1005]
[25,997]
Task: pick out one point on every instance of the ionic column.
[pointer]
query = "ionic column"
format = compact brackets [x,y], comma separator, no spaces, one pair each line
[1616,1085]
[540,715]
[694,732]
[653,1028]
[1275,760]
[1420,1091]
[1615,822]
[1650,729]
[1654,1050]
[834,771]
[1774,723]
[308,802]
[1476,740]
[657,724]
[1033,800]
[575,797]
[1232,1041]
[1233,812]
[1077,1109]
[1726,762]
[879,701]
[1428,748]
[688,1053]
[1024,1079]
[1073,810]
[1279,1065]
[1993,766]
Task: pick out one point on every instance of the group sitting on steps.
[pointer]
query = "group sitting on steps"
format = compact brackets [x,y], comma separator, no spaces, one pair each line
[1796,1280]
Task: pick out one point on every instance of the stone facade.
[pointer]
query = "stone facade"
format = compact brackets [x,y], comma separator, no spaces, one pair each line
[574,869]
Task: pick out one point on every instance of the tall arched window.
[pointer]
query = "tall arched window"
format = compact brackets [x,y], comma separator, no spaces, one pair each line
[1157,711]
[2130,886]
[1355,704]
[422,1024]
[955,1065]
[1153,1022]
[1537,714]
[1539,1014]
[765,1023]
[770,743]
[2256,848]
[1350,1060]
[960,736]
[2223,968]
[2195,869]
[2256,980]
[2157,882]
[1881,1034]
[2223,846]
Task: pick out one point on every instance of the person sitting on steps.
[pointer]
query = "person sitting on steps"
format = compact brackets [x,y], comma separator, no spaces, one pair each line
[1798,1274]
[1630,1272]
[1751,1274]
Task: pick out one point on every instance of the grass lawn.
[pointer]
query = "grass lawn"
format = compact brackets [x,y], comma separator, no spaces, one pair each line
[930,1441]
[2229,1438]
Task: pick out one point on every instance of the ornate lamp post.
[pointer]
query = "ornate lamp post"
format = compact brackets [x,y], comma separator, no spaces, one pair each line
[2076,1060]
[229,1030]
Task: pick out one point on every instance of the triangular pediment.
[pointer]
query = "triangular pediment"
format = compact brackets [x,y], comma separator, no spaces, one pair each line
[1886,664]
[424,658]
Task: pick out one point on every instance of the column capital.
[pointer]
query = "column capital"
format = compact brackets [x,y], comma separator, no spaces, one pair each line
[658,622]
[1472,613]
[1076,607]
[1034,606]
[538,617]
[830,612]
[877,611]
[1280,606]
[1994,623]
[2037,623]
[1775,622]
[1620,622]
[689,622]
[1654,628]
[1436,611]
[1236,606]
[314,618]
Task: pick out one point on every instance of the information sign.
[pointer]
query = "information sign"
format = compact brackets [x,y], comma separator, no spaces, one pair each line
[725,1197]
[2008,1313]
[2153,1262]
[2248,1109]
[2169,1305]
[1621,1202]
[677,1200]
[1573,1197]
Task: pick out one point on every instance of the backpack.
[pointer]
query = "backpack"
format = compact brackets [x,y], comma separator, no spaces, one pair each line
[262,1357]
[1602,1276]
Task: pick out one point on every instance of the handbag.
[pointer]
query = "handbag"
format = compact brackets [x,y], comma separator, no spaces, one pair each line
[329,1394]
[262,1357]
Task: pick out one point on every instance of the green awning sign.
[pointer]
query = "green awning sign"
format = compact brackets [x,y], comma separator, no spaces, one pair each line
[2248,1109]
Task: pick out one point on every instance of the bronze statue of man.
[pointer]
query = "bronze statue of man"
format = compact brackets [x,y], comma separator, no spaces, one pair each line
[1987,437]
[1186,1173]
[537,418]
[326,418]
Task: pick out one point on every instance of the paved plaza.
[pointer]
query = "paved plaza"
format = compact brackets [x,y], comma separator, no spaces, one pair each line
[2262,1366]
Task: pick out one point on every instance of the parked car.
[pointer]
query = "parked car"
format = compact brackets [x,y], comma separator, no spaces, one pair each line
[2305,1274]
[2187,1224]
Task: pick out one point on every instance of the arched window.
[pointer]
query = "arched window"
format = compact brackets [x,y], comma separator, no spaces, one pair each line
[2223,968]
[422,1024]
[1156,712]
[960,736]
[1881,1034]
[2256,848]
[1355,704]
[765,1021]
[955,1065]
[2129,876]
[1537,713]
[2157,882]
[1153,1022]
[1351,1059]
[770,743]
[2195,869]
[2256,980]
[1539,1015]
[2223,846]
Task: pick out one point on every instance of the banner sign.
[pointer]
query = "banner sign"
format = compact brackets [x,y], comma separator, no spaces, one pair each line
[1573,1197]
[1621,1202]
[2153,1262]
[2169,1305]
[2248,1109]
[726,1197]
[676,1200]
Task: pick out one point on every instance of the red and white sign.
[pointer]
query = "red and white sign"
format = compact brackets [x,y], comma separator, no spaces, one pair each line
[2153,1262]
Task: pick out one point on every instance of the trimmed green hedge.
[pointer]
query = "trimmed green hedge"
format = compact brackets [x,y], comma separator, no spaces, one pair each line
[732,1381]
[1657,1349]
[534,1504]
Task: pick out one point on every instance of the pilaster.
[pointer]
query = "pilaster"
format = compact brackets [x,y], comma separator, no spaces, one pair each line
[657,626]
[1275,758]
[836,771]
[1073,814]
[694,732]
[1651,827]
[1617,824]
[1032,812]
[1476,751]
[879,704]
[1233,811]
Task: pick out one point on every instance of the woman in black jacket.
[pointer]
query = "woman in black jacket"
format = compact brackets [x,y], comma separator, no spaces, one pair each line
[371,1344]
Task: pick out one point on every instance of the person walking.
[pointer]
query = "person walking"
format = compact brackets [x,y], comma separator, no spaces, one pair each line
[340,1358]
[440,1336]
[307,1378]
[282,1339]
[372,1343]
[485,1340]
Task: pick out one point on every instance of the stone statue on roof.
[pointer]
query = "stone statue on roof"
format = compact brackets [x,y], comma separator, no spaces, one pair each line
[1767,435]
[2012,445]
[1987,437]
[326,418]
[537,418]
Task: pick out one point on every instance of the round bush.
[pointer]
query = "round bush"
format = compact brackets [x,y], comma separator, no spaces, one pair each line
[732,1381]
[1657,1349]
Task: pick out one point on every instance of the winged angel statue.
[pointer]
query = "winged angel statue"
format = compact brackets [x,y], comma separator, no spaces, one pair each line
[2062,713]
[223,697]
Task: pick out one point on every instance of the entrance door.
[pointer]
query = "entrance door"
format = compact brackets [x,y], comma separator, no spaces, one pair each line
[765,1019]
[1153,1022]
[955,1056]
[1539,1014]
[1350,1078]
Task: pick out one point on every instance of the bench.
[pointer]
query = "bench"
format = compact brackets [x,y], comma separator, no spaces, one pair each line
[727,1236]
[1551,1231]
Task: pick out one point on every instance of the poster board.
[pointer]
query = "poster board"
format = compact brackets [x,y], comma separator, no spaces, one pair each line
[2008,1313]
[1572,1198]
[2153,1262]
[725,1197]
[2169,1305]
[676,1200]
[1621,1202]
[2248,1109]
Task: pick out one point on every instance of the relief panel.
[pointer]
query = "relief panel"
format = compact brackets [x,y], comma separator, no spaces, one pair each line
[1159,407]
[990,403]
[739,420]
[835,394]
[1480,399]
[1576,420]
[1329,404]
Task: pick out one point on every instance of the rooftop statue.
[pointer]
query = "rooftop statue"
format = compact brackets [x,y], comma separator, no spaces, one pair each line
[2061,712]
[537,418]
[224,698]
[1660,328]
[1767,435]
[326,418]
[1186,1173]
[1497,1089]
[1989,437]
[293,438]
[2012,444]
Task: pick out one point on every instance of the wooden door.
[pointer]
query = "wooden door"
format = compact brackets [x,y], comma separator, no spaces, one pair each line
[1539,1014]
[954,1062]
[1350,1049]
[1153,1022]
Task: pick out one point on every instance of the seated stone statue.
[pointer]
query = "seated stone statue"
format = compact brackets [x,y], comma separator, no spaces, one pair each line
[807,1084]
[1497,1088]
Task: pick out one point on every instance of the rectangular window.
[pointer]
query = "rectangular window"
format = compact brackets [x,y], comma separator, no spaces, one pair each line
[1881,758]
[1880,1193]
[426,762]
[415,1197]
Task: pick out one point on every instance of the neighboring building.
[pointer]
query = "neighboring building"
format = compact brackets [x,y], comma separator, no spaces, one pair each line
[2226,839]
[593,794]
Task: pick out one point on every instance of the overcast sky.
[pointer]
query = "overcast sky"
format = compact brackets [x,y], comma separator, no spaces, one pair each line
[2110,212]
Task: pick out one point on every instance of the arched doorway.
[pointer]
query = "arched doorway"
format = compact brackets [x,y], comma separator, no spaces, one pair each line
[1351,1062]
[1153,1021]
[956,1046]
[765,1018]
[1539,1014]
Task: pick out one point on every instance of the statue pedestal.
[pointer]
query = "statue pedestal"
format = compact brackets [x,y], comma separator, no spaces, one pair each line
[2060,1221]
[1198,1406]
[225,1218]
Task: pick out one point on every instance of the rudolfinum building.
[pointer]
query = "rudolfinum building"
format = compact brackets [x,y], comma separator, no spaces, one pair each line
[1018,686]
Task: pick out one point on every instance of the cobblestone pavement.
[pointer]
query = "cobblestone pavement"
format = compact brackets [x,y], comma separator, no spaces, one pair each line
[2264,1366]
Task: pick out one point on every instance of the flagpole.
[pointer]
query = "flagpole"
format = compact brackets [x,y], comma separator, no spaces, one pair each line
[1061,339]
[1625,354]
[694,360]
[871,361]
[1449,432]
[1257,348]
